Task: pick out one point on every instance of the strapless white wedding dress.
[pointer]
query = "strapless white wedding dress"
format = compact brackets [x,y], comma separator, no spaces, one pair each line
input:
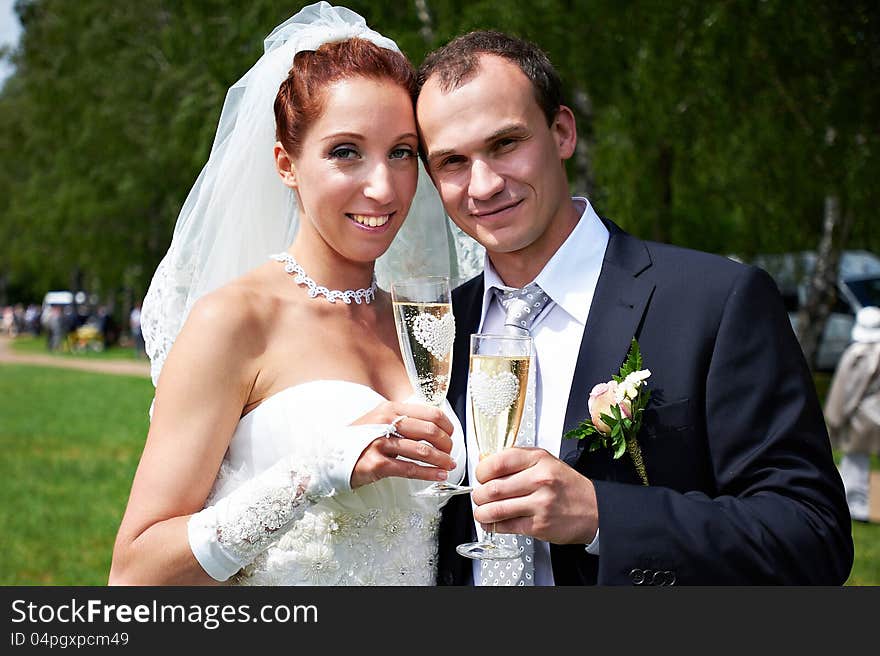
[378,534]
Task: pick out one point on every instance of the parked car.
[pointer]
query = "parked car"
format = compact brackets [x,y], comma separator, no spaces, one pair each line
[858,285]
[60,299]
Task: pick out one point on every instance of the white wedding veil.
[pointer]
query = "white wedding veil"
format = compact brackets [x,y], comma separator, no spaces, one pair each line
[238,212]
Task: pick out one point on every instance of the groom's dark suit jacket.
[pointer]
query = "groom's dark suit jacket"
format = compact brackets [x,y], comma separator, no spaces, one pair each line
[743,489]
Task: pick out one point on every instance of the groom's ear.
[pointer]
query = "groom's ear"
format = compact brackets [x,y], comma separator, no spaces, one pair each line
[284,166]
[565,132]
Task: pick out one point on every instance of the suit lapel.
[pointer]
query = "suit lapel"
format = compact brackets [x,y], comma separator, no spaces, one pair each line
[618,305]
[468,307]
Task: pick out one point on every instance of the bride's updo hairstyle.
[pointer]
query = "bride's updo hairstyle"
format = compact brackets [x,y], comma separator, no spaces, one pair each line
[300,99]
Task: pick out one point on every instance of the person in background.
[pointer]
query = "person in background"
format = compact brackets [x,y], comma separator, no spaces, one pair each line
[55,328]
[852,411]
[32,319]
[134,324]
[8,323]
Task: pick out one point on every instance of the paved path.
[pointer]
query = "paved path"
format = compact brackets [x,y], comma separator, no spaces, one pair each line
[124,367]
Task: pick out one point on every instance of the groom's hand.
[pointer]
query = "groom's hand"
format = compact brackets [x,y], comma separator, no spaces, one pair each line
[425,437]
[527,491]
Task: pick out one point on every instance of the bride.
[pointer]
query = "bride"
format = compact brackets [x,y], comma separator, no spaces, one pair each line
[285,441]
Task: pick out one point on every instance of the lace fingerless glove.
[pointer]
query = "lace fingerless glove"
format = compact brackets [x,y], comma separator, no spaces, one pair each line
[226,536]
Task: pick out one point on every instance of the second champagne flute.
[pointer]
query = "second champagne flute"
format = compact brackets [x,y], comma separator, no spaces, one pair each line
[426,331]
[499,372]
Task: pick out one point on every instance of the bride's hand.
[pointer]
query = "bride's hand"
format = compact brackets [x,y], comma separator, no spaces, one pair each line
[426,432]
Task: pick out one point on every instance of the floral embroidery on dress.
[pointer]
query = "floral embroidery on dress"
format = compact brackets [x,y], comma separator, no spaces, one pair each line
[318,563]
[377,547]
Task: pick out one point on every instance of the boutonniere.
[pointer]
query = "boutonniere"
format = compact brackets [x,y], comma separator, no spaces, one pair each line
[616,409]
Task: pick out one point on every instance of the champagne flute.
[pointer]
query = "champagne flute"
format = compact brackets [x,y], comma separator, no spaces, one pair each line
[426,331]
[499,372]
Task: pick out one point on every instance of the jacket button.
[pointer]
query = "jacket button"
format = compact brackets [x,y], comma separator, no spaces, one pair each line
[637,576]
[663,577]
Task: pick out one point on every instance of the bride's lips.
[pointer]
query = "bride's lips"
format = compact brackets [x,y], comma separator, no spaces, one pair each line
[373,223]
[495,213]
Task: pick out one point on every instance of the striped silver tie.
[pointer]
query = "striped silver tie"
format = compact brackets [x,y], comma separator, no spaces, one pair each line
[522,307]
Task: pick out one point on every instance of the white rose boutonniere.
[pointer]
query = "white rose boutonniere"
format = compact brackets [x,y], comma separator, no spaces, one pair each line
[616,409]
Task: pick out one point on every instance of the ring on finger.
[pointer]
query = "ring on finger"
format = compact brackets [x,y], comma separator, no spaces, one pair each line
[391,429]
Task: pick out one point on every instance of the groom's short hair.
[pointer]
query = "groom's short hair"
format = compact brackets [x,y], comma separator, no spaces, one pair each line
[459,61]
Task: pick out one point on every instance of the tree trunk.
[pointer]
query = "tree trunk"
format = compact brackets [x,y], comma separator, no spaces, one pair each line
[583,182]
[663,217]
[822,288]
[76,279]
[424,14]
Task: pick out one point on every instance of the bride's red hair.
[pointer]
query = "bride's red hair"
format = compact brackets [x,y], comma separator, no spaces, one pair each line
[300,99]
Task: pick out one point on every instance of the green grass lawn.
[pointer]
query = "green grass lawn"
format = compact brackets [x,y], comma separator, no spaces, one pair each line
[31,345]
[71,441]
[866,537]
[866,567]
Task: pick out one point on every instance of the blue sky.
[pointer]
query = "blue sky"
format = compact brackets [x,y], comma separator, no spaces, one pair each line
[10,29]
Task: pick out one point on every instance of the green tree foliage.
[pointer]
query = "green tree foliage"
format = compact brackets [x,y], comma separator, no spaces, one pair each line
[712,124]
[105,126]
[711,129]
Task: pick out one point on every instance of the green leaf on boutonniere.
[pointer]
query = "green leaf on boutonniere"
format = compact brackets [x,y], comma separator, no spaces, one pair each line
[584,429]
[622,435]
[633,361]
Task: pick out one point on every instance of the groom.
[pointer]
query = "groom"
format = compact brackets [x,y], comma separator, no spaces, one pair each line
[743,489]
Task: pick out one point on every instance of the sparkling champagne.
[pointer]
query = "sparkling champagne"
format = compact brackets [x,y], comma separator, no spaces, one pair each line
[498,394]
[426,332]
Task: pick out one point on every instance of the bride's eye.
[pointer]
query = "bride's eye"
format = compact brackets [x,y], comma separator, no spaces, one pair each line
[403,152]
[344,152]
